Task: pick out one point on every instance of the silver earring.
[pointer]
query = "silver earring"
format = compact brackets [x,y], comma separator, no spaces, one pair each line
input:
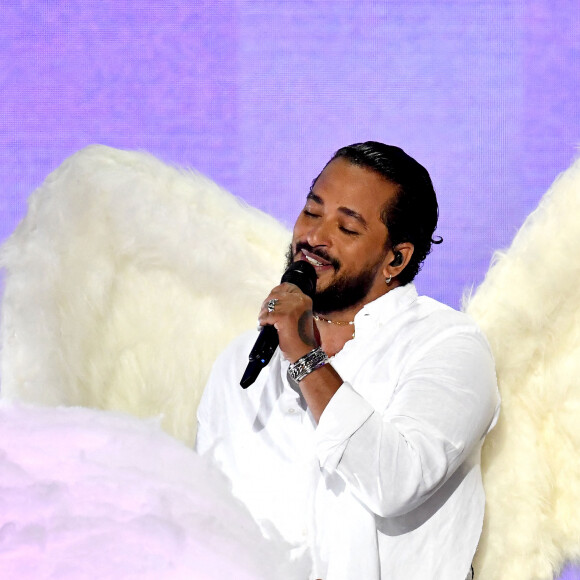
[388,280]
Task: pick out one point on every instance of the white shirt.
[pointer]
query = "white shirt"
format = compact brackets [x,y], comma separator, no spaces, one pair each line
[388,485]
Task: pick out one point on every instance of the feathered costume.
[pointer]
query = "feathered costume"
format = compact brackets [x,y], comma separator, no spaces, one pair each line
[127,277]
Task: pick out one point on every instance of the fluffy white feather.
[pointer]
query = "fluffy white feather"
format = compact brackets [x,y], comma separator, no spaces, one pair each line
[125,280]
[529,307]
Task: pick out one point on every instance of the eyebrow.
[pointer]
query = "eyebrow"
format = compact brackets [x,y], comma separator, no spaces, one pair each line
[345,210]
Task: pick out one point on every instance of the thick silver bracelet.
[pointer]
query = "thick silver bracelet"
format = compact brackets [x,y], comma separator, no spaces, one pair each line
[309,362]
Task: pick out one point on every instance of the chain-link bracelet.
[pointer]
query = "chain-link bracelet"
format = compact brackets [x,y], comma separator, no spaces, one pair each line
[309,362]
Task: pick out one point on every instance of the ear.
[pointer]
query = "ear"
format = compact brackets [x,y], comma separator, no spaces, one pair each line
[397,259]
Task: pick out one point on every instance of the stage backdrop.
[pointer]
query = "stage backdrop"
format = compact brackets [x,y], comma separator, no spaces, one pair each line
[257,94]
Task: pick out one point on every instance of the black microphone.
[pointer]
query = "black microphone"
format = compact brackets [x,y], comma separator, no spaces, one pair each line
[303,275]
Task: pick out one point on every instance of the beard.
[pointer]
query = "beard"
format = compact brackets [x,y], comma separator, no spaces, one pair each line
[345,291]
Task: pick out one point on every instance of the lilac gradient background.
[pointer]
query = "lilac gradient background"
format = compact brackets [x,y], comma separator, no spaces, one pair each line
[258,94]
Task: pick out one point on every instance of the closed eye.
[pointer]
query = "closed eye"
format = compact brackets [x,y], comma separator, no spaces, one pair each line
[348,232]
[310,214]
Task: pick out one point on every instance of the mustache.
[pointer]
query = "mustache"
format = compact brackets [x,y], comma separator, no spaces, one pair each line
[319,253]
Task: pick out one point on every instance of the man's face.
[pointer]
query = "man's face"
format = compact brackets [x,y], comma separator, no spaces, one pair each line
[341,234]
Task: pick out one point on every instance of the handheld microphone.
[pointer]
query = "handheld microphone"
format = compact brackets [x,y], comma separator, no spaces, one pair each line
[303,275]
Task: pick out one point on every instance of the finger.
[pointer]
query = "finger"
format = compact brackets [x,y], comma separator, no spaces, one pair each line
[289,287]
[269,311]
[270,305]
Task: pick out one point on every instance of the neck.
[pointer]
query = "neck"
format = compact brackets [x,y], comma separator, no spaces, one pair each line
[334,335]
[347,314]
[319,317]
[336,328]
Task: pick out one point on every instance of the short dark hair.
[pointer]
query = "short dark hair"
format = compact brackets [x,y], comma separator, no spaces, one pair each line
[412,216]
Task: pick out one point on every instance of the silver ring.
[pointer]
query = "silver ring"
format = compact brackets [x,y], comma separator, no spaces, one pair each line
[272,304]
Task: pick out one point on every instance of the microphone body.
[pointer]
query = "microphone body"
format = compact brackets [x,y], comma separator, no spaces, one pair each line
[303,275]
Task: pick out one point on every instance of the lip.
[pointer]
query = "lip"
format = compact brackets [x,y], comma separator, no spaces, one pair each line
[321,265]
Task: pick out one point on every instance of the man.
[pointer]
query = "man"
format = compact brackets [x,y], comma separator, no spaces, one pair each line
[370,457]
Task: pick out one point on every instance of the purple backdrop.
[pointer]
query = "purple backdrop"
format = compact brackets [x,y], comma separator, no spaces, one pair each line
[257,94]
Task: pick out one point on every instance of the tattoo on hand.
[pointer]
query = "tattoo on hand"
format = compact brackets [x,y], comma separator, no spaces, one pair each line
[305,328]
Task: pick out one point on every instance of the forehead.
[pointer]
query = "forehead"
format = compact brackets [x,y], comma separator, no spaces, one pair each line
[343,184]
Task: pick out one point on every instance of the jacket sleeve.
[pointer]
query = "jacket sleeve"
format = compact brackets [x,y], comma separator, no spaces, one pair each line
[393,459]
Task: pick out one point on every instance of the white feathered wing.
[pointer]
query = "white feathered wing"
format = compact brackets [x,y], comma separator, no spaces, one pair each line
[529,308]
[125,280]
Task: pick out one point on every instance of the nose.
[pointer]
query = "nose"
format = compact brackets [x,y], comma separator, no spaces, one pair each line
[319,233]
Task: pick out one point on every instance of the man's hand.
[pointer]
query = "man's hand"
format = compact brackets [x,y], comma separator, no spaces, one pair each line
[292,318]
[298,335]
